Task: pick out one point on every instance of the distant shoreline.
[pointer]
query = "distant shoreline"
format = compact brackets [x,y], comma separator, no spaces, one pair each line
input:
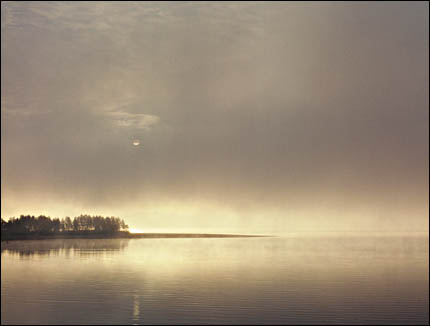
[125,235]
[193,235]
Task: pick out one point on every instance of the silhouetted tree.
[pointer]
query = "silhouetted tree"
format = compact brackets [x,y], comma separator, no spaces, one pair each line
[27,224]
[68,225]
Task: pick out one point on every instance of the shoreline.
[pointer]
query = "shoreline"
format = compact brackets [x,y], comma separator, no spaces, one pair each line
[193,235]
[126,235]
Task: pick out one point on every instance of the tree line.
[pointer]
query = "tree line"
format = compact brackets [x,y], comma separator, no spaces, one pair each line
[27,224]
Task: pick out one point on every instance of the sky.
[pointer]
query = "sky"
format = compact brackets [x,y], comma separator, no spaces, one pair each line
[245,117]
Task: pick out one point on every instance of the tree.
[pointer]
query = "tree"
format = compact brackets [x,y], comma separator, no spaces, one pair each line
[27,224]
[68,225]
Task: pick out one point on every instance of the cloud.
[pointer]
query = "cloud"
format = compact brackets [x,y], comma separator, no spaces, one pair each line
[134,120]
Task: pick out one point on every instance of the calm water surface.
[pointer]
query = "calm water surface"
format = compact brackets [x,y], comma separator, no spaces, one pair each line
[290,280]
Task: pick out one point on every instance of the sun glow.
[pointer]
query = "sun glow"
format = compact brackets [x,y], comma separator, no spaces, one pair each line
[133,230]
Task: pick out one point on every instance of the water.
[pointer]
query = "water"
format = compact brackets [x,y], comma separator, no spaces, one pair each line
[294,280]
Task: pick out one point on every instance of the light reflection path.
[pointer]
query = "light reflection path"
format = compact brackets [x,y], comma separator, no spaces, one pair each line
[136,310]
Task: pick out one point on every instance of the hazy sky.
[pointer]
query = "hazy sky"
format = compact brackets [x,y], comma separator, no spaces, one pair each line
[251,117]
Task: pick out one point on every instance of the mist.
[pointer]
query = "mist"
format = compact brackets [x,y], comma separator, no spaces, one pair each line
[251,117]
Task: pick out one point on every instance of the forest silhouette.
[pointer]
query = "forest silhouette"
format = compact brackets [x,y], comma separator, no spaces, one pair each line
[27,226]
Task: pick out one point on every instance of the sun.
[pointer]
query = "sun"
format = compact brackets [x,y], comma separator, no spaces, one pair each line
[136,142]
